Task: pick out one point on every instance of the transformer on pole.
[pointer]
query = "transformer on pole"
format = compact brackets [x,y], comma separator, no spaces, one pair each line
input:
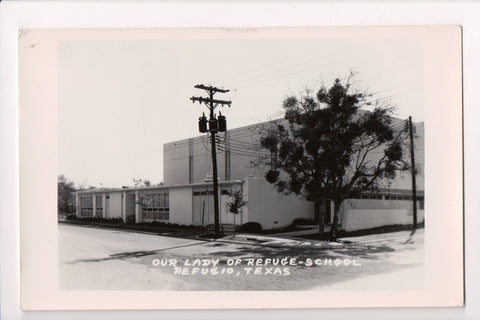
[214,126]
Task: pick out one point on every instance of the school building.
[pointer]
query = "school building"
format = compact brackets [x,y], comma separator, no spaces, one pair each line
[187,194]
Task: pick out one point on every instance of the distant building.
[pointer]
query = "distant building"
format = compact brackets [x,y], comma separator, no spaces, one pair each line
[187,194]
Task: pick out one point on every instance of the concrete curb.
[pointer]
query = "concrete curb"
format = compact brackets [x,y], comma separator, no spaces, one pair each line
[274,242]
[292,242]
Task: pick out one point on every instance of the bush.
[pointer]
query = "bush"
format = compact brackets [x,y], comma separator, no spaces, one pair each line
[250,227]
[96,219]
[302,222]
[131,219]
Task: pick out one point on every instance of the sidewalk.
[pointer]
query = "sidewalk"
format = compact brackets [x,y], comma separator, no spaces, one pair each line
[307,231]
[282,240]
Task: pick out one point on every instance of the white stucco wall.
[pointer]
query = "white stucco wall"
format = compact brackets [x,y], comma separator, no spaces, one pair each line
[175,162]
[267,207]
[115,205]
[364,214]
[181,205]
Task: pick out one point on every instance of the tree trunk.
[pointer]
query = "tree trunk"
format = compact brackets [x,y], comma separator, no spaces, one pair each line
[319,217]
[334,227]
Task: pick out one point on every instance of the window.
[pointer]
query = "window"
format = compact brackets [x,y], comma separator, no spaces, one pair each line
[203,193]
[404,197]
[86,206]
[99,206]
[421,204]
[371,196]
[155,206]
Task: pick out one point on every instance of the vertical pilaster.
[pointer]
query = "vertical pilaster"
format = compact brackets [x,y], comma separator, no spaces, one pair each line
[94,201]
[124,206]
[137,207]
[77,205]
[104,202]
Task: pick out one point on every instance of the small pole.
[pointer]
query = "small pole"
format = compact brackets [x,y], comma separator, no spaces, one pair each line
[414,187]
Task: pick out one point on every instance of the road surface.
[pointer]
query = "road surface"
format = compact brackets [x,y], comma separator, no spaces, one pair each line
[100,259]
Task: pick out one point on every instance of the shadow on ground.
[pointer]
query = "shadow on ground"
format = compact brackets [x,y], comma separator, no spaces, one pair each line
[132,254]
[369,252]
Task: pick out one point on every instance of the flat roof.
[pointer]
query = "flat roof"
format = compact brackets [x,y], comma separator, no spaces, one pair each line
[191,185]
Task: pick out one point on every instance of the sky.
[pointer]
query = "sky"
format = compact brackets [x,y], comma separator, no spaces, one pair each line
[121,100]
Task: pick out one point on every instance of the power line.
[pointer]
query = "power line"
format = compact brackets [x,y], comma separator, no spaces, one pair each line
[260,67]
[274,72]
[287,68]
[289,74]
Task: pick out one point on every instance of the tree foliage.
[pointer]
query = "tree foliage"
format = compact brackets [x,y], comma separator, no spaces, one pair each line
[237,201]
[329,148]
[65,196]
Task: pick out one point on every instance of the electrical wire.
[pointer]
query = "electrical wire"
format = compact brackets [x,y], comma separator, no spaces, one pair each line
[289,74]
[261,67]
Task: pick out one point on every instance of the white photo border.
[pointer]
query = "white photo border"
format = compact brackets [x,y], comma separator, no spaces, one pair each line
[70,15]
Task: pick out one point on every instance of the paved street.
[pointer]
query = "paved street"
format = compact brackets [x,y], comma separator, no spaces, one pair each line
[100,259]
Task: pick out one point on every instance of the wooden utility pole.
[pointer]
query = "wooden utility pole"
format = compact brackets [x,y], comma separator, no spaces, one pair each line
[213,129]
[414,186]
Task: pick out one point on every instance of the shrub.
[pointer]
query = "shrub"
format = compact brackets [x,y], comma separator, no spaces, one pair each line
[131,219]
[97,219]
[250,227]
[302,222]
[113,220]
[71,217]
[207,235]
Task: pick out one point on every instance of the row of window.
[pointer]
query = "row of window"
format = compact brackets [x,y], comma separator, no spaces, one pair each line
[88,212]
[156,200]
[87,202]
[405,197]
[156,206]
[99,202]
[210,193]
[402,197]
[388,197]
[155,215]
[86,205]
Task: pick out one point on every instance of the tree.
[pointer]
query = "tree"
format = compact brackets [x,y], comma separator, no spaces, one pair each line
[65,196]
[236,202]
[141,183]
[330,149]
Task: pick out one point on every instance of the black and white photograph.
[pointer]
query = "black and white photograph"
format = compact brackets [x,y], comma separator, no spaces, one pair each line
[240,164]
[240,160]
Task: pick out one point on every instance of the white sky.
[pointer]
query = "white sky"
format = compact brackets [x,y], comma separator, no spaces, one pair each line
[120,101]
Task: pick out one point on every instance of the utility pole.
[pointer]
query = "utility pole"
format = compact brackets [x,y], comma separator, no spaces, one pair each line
[214,126]
[414,186]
